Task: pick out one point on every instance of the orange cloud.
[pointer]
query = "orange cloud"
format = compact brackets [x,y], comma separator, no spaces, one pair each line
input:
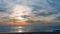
[15,22]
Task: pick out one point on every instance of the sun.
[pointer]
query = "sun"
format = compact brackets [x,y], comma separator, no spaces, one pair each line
[20,18]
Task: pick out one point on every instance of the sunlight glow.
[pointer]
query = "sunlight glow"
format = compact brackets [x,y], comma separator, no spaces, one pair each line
[18,13]
[20,18]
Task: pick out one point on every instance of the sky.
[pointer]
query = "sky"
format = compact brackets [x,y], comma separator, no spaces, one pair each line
[35,11]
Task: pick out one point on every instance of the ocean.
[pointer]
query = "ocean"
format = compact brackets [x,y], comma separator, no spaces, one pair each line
[29,28]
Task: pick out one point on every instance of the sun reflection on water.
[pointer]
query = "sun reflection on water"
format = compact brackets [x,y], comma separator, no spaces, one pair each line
[18,29]
[21,29]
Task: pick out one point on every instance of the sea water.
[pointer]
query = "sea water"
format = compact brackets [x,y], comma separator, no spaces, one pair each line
[28,28]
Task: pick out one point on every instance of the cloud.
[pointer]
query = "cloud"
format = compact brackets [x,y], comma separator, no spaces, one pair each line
[46,11]
[43,19]
[21,10]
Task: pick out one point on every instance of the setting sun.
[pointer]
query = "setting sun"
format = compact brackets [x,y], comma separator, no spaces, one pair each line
[20,18]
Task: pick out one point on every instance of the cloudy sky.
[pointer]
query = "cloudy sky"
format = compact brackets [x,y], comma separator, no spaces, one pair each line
[35,11]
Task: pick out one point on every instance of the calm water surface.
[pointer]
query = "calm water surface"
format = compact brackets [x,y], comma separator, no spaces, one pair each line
[28,28]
